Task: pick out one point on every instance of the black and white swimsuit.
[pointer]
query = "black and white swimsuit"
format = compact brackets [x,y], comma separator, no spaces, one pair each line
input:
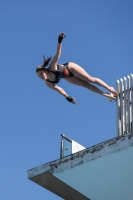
[62,72]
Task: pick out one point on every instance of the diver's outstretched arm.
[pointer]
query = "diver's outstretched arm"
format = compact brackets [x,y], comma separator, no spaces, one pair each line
[54,62]
[61,91]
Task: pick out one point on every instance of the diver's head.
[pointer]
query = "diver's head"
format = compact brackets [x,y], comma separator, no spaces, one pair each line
[41,70]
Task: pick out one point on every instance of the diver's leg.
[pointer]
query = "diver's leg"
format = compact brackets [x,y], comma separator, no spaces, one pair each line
[82,74]
[77,81]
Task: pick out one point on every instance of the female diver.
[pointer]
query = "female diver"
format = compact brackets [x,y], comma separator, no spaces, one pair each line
[72,73]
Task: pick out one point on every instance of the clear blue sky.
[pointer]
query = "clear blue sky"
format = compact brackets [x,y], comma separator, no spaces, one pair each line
[32,117]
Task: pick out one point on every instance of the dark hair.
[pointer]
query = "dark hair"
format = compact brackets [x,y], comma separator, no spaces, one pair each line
[45,63]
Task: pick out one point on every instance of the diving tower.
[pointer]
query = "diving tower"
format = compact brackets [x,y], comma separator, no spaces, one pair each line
[101,172]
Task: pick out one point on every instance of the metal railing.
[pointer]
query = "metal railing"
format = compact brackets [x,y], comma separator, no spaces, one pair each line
[66,146]
[124,105]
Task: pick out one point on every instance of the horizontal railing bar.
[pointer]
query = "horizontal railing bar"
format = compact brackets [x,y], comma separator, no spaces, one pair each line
[125,90]
[127,100]
[66,138]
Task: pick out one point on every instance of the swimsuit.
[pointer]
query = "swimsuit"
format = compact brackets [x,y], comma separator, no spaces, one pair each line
[62,72]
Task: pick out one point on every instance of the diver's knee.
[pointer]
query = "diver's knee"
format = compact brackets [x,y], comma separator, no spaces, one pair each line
[85,84]
[92,79]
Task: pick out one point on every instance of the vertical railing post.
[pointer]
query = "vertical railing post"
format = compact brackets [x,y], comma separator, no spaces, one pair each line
[121,106]
[128,102]
[131,102]
[61,148]
[125,103]
[118,123]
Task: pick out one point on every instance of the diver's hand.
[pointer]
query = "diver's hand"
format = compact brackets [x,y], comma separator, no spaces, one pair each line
[74,100]
[71,99]
[63,35]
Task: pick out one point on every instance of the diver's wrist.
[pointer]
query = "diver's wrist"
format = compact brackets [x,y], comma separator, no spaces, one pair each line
[60,38]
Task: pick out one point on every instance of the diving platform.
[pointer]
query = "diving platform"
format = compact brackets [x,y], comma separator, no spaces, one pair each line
[100,172]
[103,171]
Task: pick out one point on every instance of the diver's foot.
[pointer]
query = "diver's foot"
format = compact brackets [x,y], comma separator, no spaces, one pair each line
[113,91]
[110,96]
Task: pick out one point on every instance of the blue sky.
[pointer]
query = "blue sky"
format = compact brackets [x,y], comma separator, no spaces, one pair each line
[99,38]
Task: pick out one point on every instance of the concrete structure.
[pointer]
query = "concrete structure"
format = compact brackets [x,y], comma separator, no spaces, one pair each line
[101,172]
